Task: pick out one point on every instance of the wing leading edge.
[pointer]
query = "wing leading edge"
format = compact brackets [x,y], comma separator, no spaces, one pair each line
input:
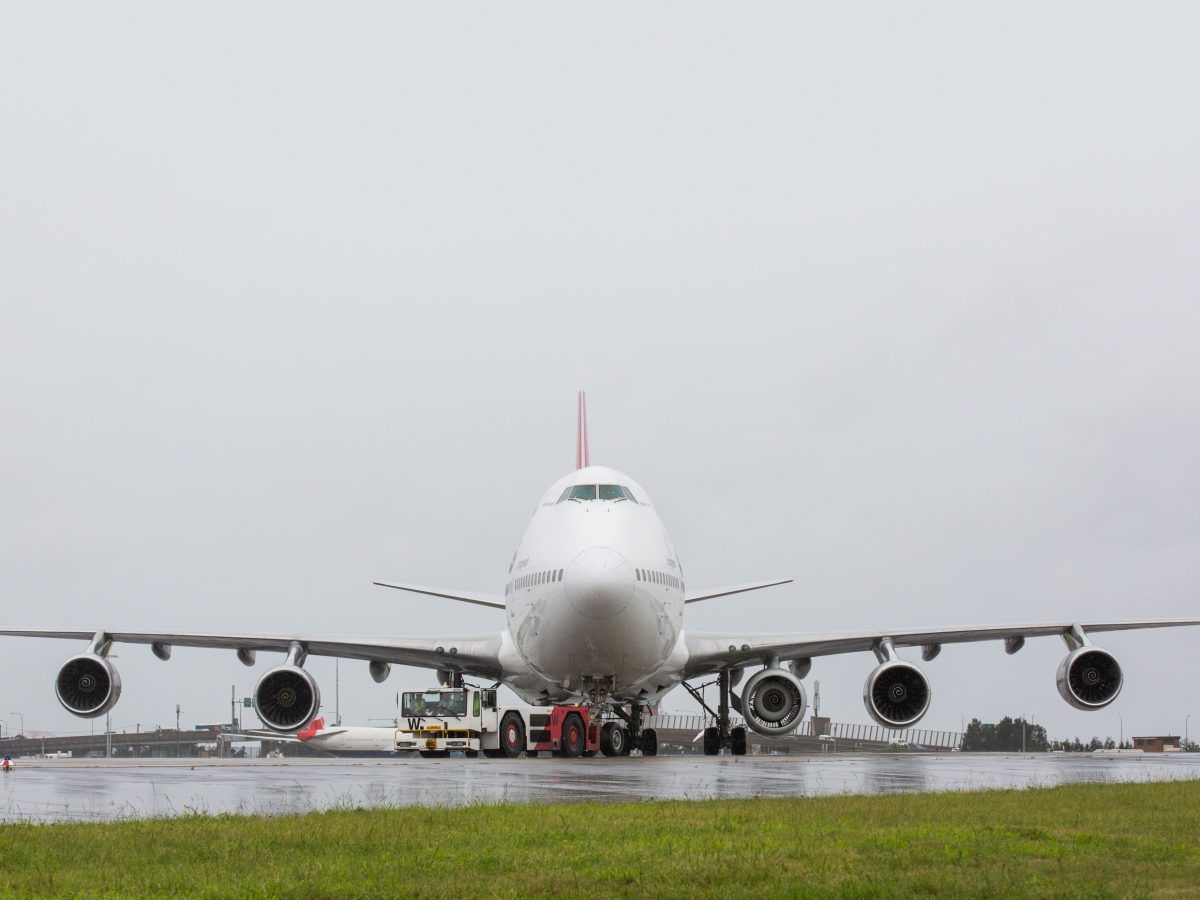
[710,651]
[696,596]
[477,654]
[461,596]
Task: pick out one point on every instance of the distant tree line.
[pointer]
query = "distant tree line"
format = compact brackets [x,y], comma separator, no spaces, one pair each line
[1078,746]
[1005,735]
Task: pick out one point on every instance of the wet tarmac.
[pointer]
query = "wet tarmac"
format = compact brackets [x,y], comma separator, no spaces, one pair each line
[95,790]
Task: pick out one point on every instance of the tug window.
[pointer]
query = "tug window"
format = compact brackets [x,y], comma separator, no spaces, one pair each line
[434,703]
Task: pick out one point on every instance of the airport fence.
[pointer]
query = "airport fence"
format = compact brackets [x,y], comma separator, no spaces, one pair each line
[840,731]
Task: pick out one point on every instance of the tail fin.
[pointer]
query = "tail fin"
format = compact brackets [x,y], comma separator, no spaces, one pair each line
[581,440]
[311,731]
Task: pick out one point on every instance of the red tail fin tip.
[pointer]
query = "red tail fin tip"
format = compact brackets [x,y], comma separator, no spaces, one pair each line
[581,438]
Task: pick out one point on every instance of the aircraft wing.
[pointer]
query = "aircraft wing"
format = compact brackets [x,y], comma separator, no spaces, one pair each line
[461,596]
[696,596]
[477,654]
[709,652]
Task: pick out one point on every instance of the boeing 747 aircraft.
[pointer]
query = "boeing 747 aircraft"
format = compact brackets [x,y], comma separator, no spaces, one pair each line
[593,606]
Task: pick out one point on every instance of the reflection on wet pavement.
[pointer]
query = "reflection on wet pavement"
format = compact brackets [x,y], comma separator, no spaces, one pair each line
[65,790]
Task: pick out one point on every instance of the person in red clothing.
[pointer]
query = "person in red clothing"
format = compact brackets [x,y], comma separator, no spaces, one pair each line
[7,764]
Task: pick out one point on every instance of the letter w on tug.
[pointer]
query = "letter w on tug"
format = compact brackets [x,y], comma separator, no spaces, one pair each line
[592,636]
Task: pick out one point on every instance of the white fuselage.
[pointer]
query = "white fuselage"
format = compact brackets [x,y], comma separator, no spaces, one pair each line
[354,741]
[594,597]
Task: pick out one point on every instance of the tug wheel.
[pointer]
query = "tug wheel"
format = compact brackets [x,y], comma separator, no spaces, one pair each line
[512,735]
[573,737]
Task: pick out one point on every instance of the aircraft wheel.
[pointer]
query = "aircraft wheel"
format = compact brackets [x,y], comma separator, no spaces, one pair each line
[628,743]
[737,740]
[613,739]
[649,742]
[712,741]
[512,735]
[574,739]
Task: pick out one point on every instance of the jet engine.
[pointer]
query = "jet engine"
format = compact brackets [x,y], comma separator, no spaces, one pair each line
[1089,678]
[773,702]
[896,692]
[87,685]
[287,698]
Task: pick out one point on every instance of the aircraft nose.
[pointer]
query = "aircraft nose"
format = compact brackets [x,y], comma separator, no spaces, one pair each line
[599,583]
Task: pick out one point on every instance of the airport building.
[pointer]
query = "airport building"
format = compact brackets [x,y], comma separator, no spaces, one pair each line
[1159,744]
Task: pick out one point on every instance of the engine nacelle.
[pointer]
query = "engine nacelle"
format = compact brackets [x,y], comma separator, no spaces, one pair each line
[1089,678]
[87,685]
[773,702]
[896,694]
[287,698]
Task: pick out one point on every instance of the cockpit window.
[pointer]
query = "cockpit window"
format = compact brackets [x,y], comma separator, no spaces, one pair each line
[579,492]
[582,492]
[614,492]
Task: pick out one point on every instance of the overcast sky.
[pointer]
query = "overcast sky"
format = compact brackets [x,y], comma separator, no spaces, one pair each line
[901,301]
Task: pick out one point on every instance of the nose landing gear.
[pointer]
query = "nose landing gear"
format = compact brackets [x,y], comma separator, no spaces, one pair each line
[618,740]
[614,740]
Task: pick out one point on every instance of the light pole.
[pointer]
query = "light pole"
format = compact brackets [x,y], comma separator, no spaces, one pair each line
[1185,727]
[3,722]
[108,726]
[1122,718]
[22,715]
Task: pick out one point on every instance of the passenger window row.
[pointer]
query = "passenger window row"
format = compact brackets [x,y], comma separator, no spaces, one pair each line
[533,579]
[663,578]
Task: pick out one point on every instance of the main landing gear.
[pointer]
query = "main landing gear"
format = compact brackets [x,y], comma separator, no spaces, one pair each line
[721,736]
[621,740]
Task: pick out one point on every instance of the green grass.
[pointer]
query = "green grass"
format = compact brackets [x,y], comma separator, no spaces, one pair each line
[1089,840]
